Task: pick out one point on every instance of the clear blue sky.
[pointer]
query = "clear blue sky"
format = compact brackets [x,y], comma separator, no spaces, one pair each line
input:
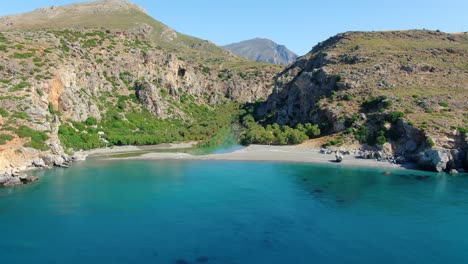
[298,24]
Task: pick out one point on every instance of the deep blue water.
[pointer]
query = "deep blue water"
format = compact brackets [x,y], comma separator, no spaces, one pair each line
[234,212]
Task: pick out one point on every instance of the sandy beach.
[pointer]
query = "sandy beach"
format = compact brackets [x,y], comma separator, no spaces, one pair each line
[136,149]
[271,153]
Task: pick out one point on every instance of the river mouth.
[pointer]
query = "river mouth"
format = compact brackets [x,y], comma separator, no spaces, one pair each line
[228,142]
[105,211]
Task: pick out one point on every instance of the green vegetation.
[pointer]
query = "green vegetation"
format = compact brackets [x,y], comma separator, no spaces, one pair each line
[393,117]
[376,103]
[19,86]
[430,142]
[380,138]
[37,138]
[4,138]
[272,134]
[444,104]
[19,115]
[140,127]
[3,112]
[126,78]
[361,134]
[52,110]
[254,133]
[91,121]
[3,38]
[347,97]
[39,92]
[25,55]
[206,70]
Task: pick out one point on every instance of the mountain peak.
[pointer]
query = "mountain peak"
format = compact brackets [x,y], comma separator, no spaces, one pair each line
[262,50]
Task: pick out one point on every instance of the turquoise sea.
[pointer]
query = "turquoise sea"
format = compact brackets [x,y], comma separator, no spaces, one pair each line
[234,212]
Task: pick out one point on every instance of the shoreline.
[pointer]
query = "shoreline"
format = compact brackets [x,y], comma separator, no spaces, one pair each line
[114,150]
[261,153]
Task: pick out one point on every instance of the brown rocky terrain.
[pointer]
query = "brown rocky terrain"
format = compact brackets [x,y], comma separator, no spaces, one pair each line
[408,87]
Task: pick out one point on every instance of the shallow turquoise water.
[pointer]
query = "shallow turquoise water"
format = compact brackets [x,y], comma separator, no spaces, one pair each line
[234,212]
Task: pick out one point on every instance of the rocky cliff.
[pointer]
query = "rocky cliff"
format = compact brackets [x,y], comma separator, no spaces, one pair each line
[263,50]
[129,80]
[407,88]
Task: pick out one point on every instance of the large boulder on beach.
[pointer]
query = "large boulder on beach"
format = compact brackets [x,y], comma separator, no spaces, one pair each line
[434,160]
[339,157]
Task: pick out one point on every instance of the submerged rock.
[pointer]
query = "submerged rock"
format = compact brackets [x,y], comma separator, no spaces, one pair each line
[28,179]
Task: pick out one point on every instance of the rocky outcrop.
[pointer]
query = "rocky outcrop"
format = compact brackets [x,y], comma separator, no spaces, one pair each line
[434,160]
[339,157]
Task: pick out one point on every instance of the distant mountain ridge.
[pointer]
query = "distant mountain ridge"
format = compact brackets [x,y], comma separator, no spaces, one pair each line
[263,50]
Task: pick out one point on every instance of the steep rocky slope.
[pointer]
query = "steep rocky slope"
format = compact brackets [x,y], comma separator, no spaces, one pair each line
[110,79]
[262,50]
[407,88]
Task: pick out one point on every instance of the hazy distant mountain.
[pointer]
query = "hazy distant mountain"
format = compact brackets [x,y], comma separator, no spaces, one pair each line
[263,50]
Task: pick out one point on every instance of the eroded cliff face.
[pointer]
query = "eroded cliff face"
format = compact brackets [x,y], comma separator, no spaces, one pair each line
[50,78]
[409,86]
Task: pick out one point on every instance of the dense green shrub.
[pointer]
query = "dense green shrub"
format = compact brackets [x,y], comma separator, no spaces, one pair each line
[78,140]
[393,117]
[20,115]
[253,133]
[91,121]
[4,138]
[25,55]
[361,134]
[443,104]
[376,103]
[20,86]
[347,97]
[206,70]
[430,142]
[140,127]
[381,139]
[3,38]
[3,112]
[37,137]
